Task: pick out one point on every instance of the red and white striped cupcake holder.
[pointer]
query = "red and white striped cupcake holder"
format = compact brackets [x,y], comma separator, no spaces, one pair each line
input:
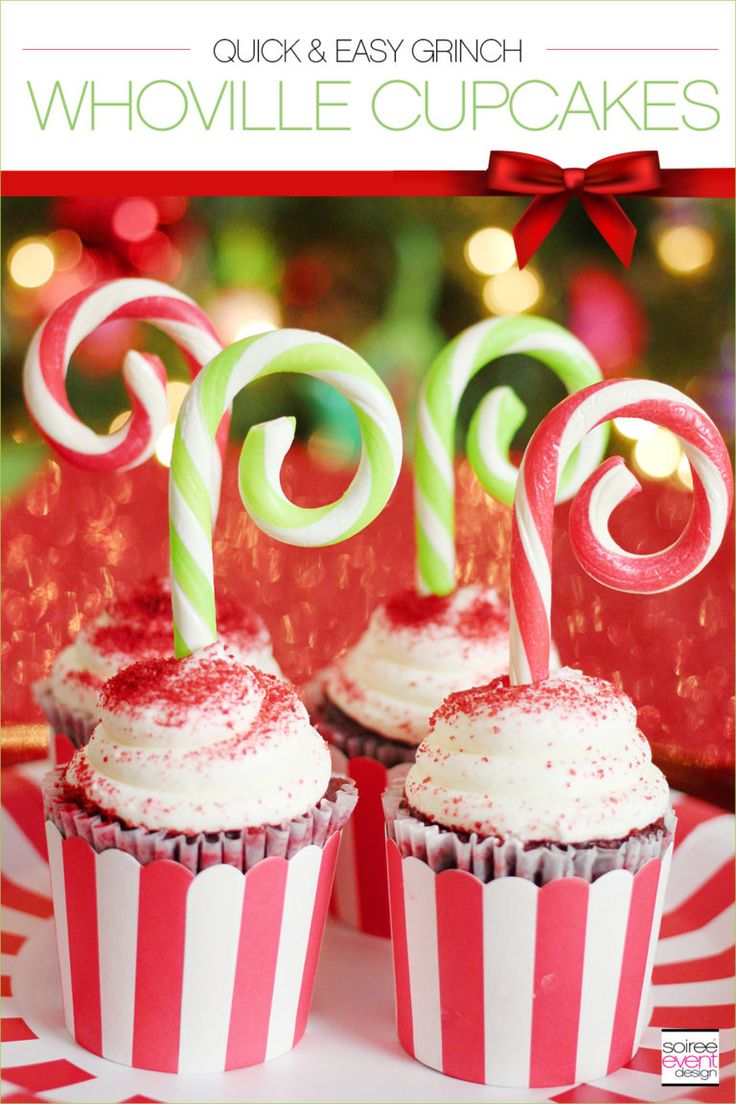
[692,987]
[360,893]
[166,970]
[512,984]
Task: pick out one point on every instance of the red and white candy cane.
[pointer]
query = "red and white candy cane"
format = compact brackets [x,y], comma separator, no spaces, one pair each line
[50,351]
[599,555]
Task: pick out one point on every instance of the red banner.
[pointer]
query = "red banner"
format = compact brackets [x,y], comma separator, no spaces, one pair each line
[712,183]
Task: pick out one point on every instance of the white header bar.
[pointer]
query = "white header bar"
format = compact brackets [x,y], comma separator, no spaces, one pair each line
[363,85]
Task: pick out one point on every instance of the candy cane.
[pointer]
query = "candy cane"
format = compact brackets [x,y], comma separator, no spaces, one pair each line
[263,452]
[491,431]
[47,363]
[599,555]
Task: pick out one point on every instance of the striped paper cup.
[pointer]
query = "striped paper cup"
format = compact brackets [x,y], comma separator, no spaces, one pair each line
[168,970]
[515,985]
[61,749]
[360,893]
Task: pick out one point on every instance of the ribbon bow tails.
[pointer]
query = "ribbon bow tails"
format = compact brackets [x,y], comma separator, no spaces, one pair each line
[552,188]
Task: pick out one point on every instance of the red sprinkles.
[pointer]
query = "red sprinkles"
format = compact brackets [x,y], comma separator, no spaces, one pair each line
[593,695]
[142,623]
[173,687]
[83,678]
[481,618]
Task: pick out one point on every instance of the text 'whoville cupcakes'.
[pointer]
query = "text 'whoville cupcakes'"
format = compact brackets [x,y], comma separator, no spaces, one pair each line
[193,840]
[529,844]
[373,705]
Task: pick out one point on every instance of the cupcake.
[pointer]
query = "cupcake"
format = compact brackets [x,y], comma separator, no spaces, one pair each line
[533,820]
[529,844]
[204,961]
[373,706]
[136,626]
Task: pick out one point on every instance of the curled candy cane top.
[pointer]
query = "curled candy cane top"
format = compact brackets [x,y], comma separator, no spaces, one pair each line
[548,451]
[51,349]
[491,430]
[264,449]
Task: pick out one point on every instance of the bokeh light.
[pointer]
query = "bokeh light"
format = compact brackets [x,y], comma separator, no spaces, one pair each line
[658,455]
[512,292]
[31,263]
[685,249]
[165,445]
[175,393]
[64,284]
[490,251]
[247,256]
[119,421]
[606,314]
[157,257]
[171,208]
[684,472]
[67,248]
[253,328]
[634,429]
[237,313]
[135,219]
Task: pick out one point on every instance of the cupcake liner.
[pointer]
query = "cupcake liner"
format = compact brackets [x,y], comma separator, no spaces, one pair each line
[490,858]
[360,895]
[76,725]
[512,984]
[242,849]
[510,974]
[166,969]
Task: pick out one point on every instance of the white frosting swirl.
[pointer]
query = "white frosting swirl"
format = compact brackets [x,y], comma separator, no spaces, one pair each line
[201,744]
[556,760]
[414,652]
[137,627]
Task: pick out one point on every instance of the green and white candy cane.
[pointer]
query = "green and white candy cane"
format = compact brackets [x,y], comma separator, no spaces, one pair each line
[263,452]
[490,433]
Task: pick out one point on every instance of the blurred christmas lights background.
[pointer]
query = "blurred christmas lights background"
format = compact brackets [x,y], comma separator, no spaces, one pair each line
[395,279]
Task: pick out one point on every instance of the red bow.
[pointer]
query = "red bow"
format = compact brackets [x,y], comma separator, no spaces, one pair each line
[552,187]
